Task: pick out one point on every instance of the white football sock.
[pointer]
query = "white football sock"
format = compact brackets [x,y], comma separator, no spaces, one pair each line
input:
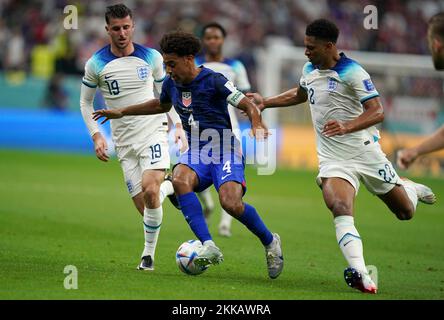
[166,189]
[225,219]
[409,187]
[152,221]
[209,243]
[350,242]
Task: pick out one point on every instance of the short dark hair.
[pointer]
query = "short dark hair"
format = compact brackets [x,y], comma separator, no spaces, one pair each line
[213,25]
[181,43]
[323,29]
[436,25]
[118,11]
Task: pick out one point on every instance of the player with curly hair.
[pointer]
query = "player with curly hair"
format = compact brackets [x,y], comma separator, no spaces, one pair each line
[200,97]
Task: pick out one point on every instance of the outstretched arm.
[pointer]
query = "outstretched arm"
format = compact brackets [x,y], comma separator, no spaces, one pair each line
[152,106]
[288,98]
[373,114]
[433,143]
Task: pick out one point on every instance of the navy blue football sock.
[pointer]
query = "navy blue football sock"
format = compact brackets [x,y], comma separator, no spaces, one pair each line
[254,223]
[192,210]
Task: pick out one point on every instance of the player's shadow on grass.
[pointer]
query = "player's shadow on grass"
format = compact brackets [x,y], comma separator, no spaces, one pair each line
[299,284]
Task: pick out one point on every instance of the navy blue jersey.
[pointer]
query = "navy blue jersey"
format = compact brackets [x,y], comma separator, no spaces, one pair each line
[202,103]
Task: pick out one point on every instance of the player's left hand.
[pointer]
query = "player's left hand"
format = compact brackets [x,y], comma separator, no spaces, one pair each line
[107,114]
[334,128]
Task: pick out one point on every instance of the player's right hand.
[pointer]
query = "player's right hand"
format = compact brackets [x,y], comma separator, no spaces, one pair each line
[100,147]
[257,99]
[405,158]
[107,114]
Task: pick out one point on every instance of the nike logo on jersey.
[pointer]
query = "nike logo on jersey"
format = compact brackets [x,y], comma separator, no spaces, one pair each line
[154,162]
[223,177]
[347,243]
[107,77]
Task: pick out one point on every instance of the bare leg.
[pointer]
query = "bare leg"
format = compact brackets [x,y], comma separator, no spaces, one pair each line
[339,196]
[399,203]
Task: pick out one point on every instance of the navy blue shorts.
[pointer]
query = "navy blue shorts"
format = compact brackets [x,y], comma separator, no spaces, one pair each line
[215,170]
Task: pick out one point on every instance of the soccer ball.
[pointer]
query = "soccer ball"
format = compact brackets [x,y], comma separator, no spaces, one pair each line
[185,256]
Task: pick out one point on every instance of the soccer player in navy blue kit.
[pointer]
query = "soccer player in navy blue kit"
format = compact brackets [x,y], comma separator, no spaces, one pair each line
[200,97]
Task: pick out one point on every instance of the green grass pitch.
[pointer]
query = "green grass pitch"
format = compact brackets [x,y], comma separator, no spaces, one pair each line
[58,210]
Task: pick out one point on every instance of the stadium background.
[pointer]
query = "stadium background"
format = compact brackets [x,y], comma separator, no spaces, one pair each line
[41,65]
[42,59]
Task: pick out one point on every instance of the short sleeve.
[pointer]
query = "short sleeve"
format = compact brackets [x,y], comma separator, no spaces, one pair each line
[302,83]
[361,83]
[242,82]
[165,94]
[90,78]
[157,66]
[306,69]
[227,90]
[223,86]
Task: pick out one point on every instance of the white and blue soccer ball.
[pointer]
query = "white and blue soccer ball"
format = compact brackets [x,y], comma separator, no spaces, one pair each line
[185,256]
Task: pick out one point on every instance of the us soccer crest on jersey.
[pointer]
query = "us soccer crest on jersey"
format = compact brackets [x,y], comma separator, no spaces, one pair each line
[186,98]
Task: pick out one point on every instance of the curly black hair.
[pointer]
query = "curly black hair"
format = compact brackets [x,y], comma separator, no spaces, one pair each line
[118,11]
[323,29]
[181,43]
[213,25]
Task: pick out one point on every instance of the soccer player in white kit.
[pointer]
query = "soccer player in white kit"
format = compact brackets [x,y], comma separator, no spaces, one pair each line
[125,73]
[213,36]
[345,107]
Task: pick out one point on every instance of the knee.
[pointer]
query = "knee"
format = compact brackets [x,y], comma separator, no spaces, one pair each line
[405,213]
[150,193]
[339,207]
[231,204]
[182,184]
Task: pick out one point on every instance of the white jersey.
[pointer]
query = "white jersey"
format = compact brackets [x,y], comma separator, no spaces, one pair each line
[232,69]
[126,81]
[338,94]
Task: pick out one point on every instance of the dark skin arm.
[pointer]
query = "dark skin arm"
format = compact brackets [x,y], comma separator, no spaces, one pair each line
[152,106]
[259,130]
[288,98]
[373,114]
[373,111]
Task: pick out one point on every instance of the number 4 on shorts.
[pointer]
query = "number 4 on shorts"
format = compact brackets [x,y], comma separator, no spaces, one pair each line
[227,167]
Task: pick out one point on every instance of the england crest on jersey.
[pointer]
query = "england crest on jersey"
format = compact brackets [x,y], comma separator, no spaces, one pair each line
[142,72]
[186,99]
[332,84]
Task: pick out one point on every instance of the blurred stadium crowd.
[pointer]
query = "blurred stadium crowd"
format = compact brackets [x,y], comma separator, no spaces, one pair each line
[41,62]
[34,40]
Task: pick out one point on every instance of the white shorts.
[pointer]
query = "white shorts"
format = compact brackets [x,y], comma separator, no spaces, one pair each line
[134,159]
[372,168]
